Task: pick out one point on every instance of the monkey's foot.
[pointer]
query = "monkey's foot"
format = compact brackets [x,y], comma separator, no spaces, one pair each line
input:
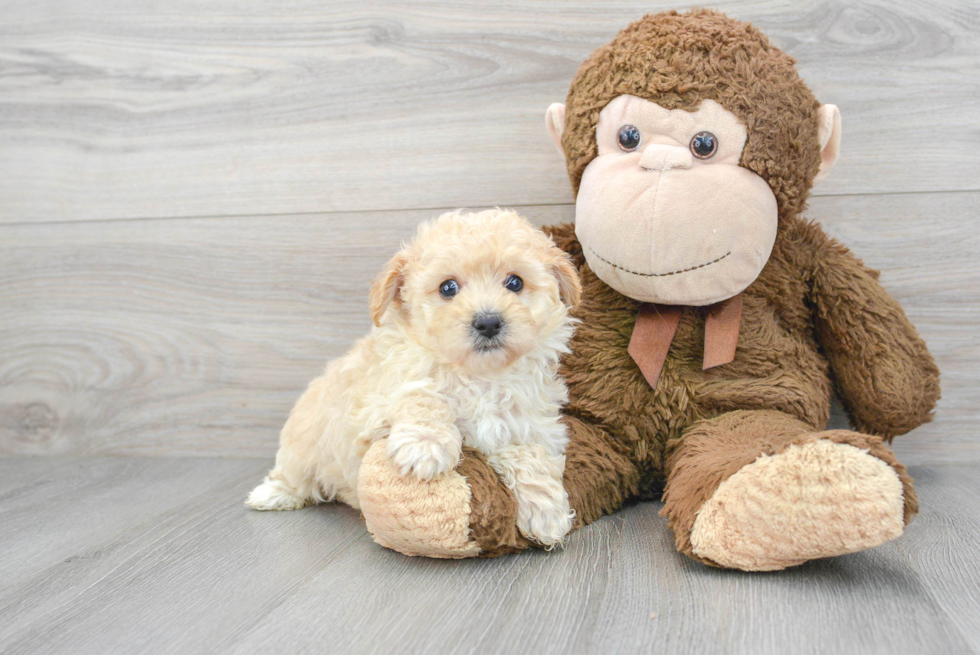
[810,501]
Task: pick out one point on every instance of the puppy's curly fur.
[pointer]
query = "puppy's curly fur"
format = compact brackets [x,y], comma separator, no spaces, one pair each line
[429,381]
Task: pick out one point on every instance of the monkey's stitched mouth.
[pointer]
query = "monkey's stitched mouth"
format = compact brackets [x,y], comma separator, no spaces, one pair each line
[683,270]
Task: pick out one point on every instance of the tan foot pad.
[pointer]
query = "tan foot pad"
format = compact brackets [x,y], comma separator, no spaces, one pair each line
[817,500]
[430,519]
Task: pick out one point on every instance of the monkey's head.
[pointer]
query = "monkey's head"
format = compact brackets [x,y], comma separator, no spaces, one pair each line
[688,140]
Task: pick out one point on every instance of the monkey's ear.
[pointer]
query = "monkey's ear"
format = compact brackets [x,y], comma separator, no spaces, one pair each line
[386,289]
[554,118]
[569,286]
[828,134]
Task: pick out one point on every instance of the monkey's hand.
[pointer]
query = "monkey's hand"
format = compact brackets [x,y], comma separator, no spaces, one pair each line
[887,378]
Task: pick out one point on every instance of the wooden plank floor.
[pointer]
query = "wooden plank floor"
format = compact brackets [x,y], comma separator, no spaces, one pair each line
[157,555]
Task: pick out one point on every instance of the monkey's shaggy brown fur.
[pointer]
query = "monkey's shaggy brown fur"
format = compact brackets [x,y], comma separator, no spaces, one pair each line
[815,318]
[816,313]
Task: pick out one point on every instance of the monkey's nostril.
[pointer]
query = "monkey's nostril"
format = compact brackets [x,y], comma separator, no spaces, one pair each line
[488,326]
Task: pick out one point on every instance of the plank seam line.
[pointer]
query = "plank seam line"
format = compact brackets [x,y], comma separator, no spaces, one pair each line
[410,209]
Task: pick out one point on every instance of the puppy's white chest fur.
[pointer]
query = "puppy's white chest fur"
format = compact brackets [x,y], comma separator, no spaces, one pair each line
[519,406]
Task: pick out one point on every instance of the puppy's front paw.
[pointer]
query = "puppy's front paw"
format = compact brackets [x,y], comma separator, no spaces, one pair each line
[423,451]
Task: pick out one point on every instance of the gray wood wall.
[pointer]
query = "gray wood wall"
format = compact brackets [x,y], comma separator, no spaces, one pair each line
[195,196]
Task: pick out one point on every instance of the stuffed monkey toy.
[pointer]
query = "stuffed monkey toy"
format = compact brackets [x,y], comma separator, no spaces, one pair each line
[715,322]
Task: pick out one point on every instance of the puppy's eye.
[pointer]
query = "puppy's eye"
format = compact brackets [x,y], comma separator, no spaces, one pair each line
[629,137]
[448,289]
[704,145]
[514,283]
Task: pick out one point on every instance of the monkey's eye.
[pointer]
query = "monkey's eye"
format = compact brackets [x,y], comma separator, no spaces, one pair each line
[514,283]
[448,289]
[704,145]
[629,137]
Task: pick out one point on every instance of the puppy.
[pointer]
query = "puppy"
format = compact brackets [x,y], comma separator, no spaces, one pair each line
[471,318]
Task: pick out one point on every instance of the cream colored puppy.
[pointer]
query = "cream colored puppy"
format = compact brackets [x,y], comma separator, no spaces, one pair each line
[471,318]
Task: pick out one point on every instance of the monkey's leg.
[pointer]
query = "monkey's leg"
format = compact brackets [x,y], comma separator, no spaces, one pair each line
[760,491]
[470,512]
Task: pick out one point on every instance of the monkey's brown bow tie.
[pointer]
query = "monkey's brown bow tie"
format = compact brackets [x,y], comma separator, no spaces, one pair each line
[656,325]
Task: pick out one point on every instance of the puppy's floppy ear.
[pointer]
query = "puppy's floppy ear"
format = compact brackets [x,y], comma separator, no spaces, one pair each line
[569,286]
[386,289]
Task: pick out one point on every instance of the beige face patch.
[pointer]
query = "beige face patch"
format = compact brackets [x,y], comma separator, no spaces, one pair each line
[658,221]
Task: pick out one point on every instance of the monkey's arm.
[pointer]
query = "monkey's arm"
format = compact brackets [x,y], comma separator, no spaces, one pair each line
[887,378]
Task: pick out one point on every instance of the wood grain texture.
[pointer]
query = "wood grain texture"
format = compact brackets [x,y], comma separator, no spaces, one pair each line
[205,575]
[195,336]
[56,522]
[122,109]
[944,547]
[171,581]
[104,498]
[177,336]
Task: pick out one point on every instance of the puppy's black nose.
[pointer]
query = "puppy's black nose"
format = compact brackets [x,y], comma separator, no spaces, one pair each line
[488,325]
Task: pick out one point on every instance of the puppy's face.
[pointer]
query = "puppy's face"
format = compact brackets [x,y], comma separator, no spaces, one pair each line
[478,290]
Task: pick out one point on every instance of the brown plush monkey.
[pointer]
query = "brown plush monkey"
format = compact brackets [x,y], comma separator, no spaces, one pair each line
[715,322]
